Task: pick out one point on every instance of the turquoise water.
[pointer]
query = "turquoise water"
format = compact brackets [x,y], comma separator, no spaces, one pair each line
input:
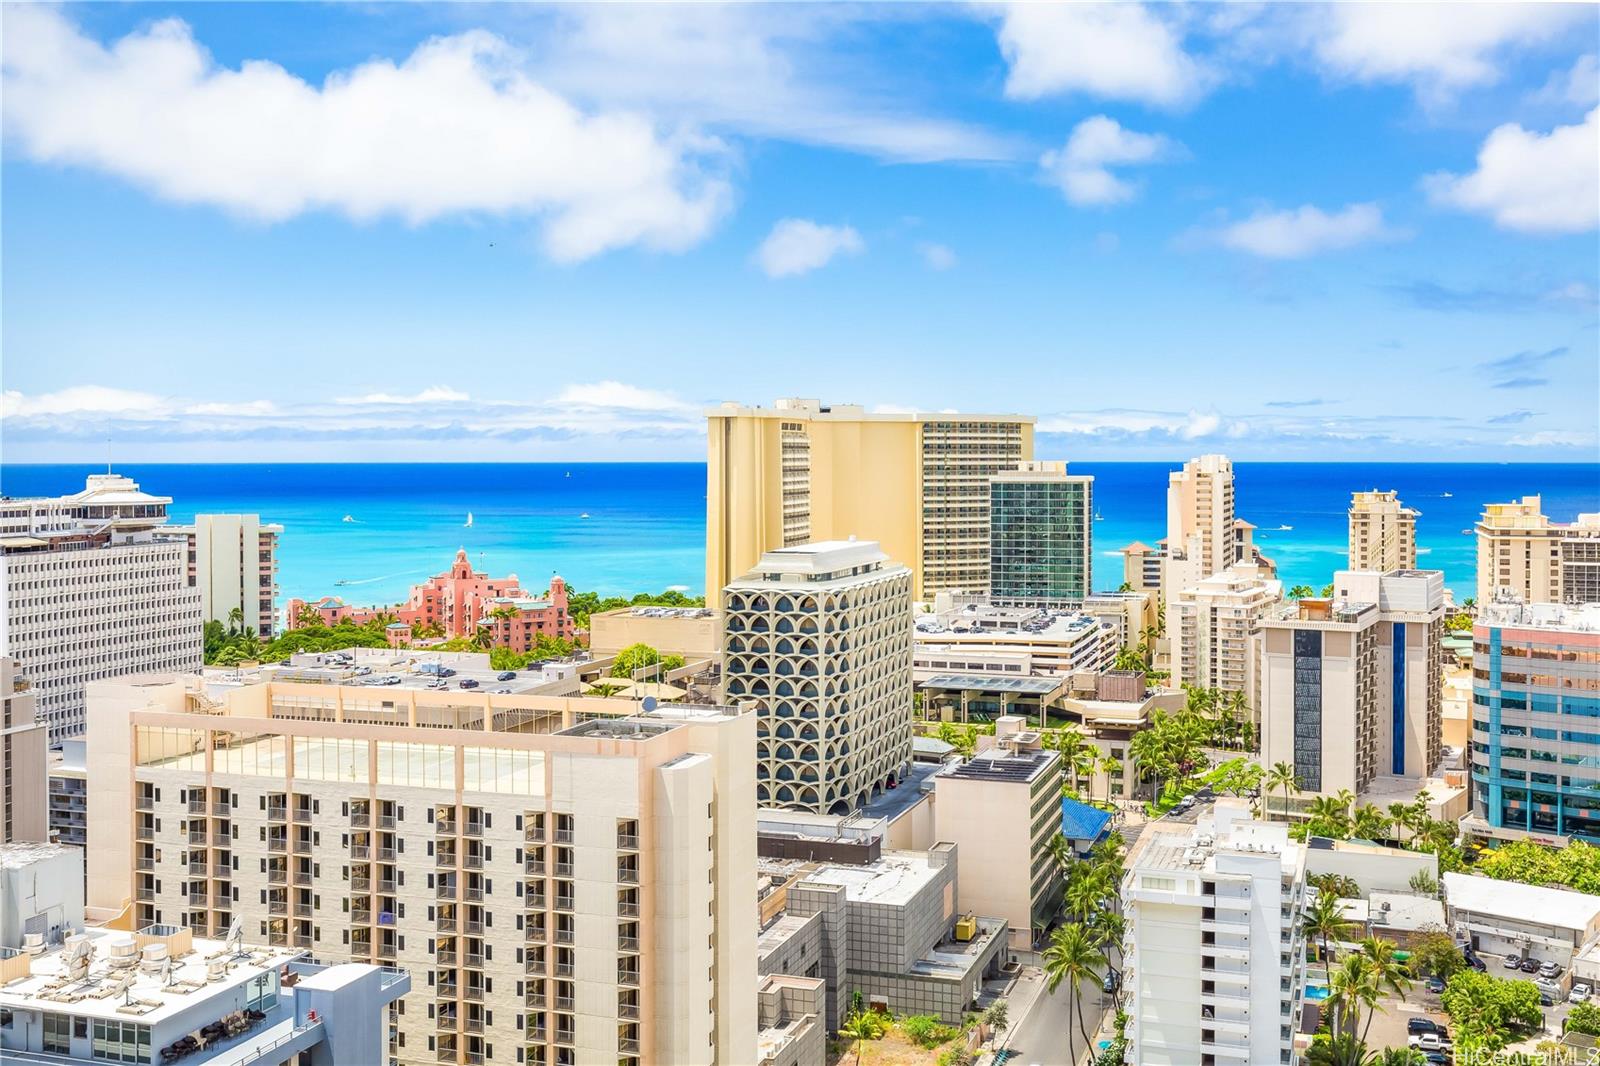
[1317,992]
[646,524]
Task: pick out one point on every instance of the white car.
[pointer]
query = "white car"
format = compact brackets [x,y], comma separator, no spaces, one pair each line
[1579,993]
[1426,1042]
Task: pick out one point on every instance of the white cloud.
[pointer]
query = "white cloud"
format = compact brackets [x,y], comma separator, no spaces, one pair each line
[432,394]
[1441,49]
[1295,234]
[619,395]
[1531,182]
[799,246]
[1186,426]
[768,70]
[1580,85]
[1081,168]
[454,128]
[1553,438]
[84,400]
[1115,51]
[936,256]
[242,408]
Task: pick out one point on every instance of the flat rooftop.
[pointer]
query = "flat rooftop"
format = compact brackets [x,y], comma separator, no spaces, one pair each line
[101,992]
[965,682]
[22,853]
[1559,908]
[1002,766]
[910,791]
[894,879]
[984,619]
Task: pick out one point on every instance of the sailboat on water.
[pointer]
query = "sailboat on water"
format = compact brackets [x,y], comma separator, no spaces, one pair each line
[469,520]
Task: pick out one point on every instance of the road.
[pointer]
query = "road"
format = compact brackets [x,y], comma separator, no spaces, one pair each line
[1045,1036]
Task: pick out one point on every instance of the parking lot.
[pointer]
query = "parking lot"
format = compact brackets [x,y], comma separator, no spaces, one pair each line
[1389,1028]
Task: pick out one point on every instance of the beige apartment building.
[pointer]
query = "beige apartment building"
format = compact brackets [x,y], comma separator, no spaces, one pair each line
[1216,622]
[1383,532]
[818,636]
[566,881]
[24,769]
[805,471]
[1524,556]
[1002,808]
[1201,529]
[1351,687]
[233,561]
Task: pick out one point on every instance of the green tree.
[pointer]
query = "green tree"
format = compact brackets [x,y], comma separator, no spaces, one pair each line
[1324,920]
[1341,885]
[1353,986]
[1389,974]
[861,1027]
[1434,952]
[1488,1013]
[1584,1018]
[1369,823]
[1424,884]
[1327,591]
[1071,957]
[1341,1050]
[1300,592]
[634,657]
[1282,776]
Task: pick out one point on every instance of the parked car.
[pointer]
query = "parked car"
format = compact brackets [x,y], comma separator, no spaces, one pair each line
[1435,985]
[467,682]
[1474,961]
[1530,966]
[1437,1058]
[1418,1026]
[1546,999]
[363,671]
[506,675]
[1513,962]
[392,679]
[1550,970]
[1109,983]
[1579,993]
[1427,1042]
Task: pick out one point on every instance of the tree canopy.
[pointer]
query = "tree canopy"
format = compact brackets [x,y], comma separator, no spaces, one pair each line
[1487,1011]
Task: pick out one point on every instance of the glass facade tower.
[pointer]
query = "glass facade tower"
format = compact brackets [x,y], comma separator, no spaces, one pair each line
[1041,535]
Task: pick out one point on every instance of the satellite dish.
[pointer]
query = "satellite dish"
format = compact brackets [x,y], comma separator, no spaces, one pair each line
[166,971]
[648,704]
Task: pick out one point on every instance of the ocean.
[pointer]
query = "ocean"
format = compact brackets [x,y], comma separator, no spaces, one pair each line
[621,528]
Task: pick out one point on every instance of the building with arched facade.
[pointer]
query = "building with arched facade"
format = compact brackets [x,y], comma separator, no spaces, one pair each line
[819,637]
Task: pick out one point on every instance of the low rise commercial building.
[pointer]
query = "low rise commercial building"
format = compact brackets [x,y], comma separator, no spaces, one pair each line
[1511,918]
[1351,687]
[1535,741]
[571,875]
[1001,809]
[1215,969]
[692,632]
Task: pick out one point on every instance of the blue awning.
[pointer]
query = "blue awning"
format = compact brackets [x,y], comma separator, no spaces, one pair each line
[1082,824]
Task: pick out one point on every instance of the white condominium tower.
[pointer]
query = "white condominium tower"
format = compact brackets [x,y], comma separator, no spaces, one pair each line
[1214,623]
[1215,967]
[1383,532]
[819,637]
[233,561]
[1524,556]
[1201,531]
[563,886]
[803,471]
[87,591]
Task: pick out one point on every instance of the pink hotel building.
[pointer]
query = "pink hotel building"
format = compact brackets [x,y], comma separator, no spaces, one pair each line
[460,600]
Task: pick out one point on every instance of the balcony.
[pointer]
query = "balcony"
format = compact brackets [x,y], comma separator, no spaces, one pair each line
[274,906]
[565,969]
[361,884]
[473,926]
[627,909]
[628,976]
[472,860]
[360,818]
[473,960]
[445,890]
[535,998]
[385,855]
[360,915]
[534,901]
[446,990]
[472,827]
[564,1003]
[628,1045]
[145,894]
[566,1035]
[627,875]
[563,869]
[386,821]
[473,994]
[537,1034]
[627,842]
[302,878]
[533,867]
[473,893]
[444,858]
[222,809]
[535,965]
[629,1011]
[446,923]
[197,867]
[303,814]
[473,1025]
[564,902]
[533,834]
[196,806]
[277,875]
[628,944]
[387,951]
[200,837]
[565,935]
[563,836]
[445,956]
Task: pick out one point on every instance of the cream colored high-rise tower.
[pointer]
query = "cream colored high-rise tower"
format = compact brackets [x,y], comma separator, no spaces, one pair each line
[1383,532]
[1202,535]
[564,883]
[802,471]
[1524,555]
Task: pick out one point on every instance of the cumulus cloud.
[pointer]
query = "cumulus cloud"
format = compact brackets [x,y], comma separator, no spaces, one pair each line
[799,246]
[1440,49]
[1531,182]
[84,400]
[1081,168]
[454,128]
[620,396]
[1300,232]
[936,256]
[1114,51]
[432,394]
[1184,426]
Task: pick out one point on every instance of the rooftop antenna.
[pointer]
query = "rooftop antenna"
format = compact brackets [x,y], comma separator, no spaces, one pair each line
[235,938]
[124,987]
[166,970]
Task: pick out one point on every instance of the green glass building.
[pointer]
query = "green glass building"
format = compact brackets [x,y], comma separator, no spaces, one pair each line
[1041,535]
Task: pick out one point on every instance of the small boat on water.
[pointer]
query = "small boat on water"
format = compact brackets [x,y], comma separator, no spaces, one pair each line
[1446,495]
[469,520]
[341,582]
[1098,517]
[584,515]
[348,518]
[1285,529]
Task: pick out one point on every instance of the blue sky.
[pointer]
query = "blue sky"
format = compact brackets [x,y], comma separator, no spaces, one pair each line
[474,232]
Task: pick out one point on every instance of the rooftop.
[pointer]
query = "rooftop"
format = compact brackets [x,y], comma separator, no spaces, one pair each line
[820,560]
[1557,907]
[894,879]
[1405,911]
[1580,618]
[999,765]
[120,981]
[22,853]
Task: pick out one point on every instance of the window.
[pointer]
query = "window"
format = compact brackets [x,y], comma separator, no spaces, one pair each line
[58,1033]
[121,1041]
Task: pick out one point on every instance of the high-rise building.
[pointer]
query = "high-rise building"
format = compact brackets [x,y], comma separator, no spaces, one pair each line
[803,471]
[1041,534]
[1524,556]
[1201,531]
[1215,971]
[1535,702]
[569,886]
[1213,625]
[87,591]
[24,814]
[1351,687]
[818,636]
[1383,532]
[233,561]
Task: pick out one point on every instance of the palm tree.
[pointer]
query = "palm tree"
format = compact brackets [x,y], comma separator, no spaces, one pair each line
[1129,658]
[1323,920]
[1061,852]
[1369,823]
[859,1027]
[1387,973]
[1106,930]
[1282,776]
[1343,1050]
[1398,1056]
[1300,592]
[1352,986]
[1071,957]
